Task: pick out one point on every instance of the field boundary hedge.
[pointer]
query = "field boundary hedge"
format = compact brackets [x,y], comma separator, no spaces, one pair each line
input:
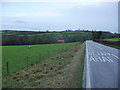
[113,43]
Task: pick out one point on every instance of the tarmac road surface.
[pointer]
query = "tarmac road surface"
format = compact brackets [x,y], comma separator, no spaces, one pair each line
[101,66]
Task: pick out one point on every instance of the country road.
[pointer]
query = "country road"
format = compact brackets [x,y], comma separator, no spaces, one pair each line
[101,66]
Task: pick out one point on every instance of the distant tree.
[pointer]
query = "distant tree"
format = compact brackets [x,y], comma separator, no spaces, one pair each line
[47,30]
[96,34]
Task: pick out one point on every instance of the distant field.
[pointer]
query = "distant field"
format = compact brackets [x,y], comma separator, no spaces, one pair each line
[17,56]
[113,39]
[112,42]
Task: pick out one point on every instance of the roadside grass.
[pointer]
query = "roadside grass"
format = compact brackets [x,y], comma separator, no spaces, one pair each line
[112,39]
[64,70]
[19,57]
[82,58]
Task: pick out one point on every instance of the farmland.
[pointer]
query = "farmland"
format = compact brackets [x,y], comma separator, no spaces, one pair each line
[46,64]
[112,42]
[11,37]
[112,39]
[63,70]
[19,57]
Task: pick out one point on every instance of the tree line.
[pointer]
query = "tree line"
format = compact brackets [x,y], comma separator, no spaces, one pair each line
[49,38]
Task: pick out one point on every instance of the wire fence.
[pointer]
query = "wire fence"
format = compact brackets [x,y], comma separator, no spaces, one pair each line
[10,67]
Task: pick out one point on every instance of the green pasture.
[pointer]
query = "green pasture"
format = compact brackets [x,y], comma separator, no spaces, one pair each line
[113,39]
[19,57]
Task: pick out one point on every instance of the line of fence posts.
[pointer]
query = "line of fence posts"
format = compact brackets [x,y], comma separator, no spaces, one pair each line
[40,57]
[27,61]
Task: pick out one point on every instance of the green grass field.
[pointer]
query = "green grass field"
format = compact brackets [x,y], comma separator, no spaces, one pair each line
[113,39]
[16,56]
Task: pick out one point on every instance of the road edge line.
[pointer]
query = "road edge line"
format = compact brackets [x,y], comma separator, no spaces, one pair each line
[88,84]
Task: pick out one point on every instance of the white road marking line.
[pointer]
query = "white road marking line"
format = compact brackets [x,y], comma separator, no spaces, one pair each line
[115,56]
[96,59]
[92,59]
[101,53]
[110,59]
[100,59]
[105,59]
[99,47]
[88,84]
[98,53]
[109,54]
[105,53]
[91,54]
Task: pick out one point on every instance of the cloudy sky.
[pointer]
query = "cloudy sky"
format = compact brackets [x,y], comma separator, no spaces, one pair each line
[60,15]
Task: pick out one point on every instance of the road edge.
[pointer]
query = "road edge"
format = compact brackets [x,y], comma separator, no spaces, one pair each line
[86,73]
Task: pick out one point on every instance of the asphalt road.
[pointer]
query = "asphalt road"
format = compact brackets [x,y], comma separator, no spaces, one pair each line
[101,66]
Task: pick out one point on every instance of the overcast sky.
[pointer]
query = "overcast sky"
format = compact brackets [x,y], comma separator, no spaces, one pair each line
[60,15]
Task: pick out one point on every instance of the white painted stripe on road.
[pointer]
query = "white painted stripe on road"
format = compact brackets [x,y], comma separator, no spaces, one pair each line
[105,59]
[115,56]
[100,59]
[96,60]
[99,47]
[88,85]
[109,54]
[92,53]
[110,59]
[92,59]
[98,53]
[101,53]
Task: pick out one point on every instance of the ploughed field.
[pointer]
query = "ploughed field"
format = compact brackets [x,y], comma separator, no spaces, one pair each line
[19,57]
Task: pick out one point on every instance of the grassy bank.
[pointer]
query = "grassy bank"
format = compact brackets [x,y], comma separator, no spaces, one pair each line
[63,70]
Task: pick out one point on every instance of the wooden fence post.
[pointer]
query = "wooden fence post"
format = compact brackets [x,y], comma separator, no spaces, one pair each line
[27,61]
[54,51]
[48,53]
[7,65]
[40,56]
